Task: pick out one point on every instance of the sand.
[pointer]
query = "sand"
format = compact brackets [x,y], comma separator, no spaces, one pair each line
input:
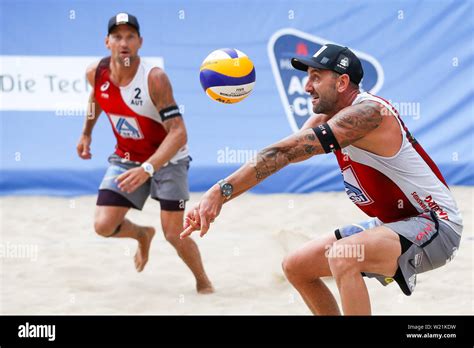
[52,262]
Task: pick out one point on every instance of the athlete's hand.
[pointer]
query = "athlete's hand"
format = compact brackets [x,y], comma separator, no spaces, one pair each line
[84,147]
[203,214]
[132,179]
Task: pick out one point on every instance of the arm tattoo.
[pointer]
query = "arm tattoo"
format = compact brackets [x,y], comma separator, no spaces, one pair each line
[296,148]
[354,122]
[348,125]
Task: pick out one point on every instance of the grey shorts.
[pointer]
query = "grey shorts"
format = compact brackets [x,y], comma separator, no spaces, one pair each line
[427,243]
[168,184]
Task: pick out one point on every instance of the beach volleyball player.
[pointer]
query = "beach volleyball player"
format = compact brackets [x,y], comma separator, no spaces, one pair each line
[415,225]
[151,155]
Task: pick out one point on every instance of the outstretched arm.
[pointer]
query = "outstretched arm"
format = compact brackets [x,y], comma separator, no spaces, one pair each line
[295,148]
[349,125]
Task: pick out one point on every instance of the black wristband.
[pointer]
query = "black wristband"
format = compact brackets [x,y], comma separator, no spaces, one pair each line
[169,112]
[326,138]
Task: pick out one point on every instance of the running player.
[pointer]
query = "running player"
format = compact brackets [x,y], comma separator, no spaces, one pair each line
[151,155]
[415,225]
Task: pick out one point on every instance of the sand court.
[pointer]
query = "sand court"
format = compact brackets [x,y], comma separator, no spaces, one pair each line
[52,262]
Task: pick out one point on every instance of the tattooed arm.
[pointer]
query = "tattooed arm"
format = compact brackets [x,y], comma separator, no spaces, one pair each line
[295,148]
[356,121]
[314,121]
[348,125]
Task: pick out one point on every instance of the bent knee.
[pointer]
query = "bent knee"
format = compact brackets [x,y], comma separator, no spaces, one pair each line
[293,267]
[173,238]
[285,265]
[104,228]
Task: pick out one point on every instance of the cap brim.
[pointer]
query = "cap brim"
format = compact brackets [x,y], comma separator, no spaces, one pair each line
[303,64]
[123,23]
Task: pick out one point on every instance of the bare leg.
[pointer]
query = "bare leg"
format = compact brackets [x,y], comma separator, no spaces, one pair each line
[110,221]
[144,235]
[304,268]
[354,295]
[172,223]
[381,249]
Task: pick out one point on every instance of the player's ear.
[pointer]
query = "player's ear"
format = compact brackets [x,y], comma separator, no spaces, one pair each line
[141,41]
[107,42]
[343,82]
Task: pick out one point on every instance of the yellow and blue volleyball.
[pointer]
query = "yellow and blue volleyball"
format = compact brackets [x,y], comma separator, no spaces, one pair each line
[227,75]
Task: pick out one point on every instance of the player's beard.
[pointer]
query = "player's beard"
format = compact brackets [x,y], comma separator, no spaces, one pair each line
[323,107]
[326,103]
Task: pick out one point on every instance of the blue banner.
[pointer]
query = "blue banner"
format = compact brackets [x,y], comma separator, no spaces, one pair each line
[419,55]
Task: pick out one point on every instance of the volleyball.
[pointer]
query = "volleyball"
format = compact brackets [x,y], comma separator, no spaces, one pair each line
[227,75]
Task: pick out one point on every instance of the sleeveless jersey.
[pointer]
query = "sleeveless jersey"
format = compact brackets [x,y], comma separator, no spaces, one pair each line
[394,188]
[136,123]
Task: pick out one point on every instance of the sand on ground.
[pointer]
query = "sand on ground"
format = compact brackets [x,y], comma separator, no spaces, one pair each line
[52,262]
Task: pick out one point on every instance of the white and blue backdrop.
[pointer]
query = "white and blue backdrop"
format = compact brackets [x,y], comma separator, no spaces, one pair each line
[417,54]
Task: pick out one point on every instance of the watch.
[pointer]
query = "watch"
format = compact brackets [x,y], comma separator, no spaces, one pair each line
[226,188]
[148,167]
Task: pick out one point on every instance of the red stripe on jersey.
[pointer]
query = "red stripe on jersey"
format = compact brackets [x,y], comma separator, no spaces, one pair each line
[383,198]
[417,146]
[146,135]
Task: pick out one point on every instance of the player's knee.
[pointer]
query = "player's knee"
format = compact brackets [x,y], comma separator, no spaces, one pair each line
[285,265]
[172,237]
[342,260]
[291,267]
[104,228]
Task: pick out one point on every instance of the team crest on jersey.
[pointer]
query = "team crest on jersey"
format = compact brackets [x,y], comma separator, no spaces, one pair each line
[353,188]
[127,126]
[287,43]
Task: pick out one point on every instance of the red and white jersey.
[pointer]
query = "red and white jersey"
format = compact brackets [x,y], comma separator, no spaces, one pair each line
[393,188]
[136,123]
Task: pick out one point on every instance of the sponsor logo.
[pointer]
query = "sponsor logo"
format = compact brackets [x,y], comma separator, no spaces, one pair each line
[343,63]
[105,86]
[127,126]
[388,280]
[171,113]
[354,190]
[418,259]
[428,204]
[287,43]
[426,231]
[49,83]
[412,282]
[355,194]
[434,206]
[416,262]
[121,18]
